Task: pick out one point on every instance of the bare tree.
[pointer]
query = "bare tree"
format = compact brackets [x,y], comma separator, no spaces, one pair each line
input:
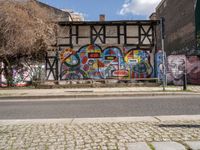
[26,32]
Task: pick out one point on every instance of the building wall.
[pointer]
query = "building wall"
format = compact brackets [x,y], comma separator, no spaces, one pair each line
[197,18]
[177,66]
[75,16]
[23,74]
[54,13]
[100,62]
[107,56]
[179,26]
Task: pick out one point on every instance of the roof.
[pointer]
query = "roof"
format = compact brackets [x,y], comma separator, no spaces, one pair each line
[160,4]
[117,22]
[48,6]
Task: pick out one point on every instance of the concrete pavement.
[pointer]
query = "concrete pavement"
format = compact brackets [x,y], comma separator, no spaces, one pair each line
[96,92]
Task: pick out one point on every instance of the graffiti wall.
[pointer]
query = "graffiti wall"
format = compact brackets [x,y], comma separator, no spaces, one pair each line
[175,69]
[139,62]
[22,75]
[159,65]
[177,66]
[193,69]
[93,62]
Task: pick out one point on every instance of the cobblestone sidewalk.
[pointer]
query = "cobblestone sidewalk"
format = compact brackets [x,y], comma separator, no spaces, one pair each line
[94,136]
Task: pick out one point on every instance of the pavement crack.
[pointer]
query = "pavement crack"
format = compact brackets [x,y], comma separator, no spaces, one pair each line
[185,145]
[157,119]
[71,121]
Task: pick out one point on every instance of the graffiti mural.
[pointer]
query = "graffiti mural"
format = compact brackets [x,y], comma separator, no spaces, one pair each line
[114,64]
[83,64]
[159,65]
[139,64]
[178,65]
[91,62]
[2,83]
[193,69]
[22,75]
[175,69]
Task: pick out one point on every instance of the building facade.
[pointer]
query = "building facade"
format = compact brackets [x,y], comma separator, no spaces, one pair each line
[197,16]
[181,38]
[74,16]
[180,31]
[101,50]
[54,13]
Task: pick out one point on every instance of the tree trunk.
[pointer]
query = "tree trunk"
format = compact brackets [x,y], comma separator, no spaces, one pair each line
[8,72]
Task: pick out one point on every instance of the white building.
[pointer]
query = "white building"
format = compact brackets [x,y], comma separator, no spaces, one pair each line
[75,16]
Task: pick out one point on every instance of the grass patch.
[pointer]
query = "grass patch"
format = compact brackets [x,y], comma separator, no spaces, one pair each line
[5,94]
[23,93]
[151,146]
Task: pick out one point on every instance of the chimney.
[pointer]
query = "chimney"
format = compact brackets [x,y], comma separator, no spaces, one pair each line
[102,17]
[153,16]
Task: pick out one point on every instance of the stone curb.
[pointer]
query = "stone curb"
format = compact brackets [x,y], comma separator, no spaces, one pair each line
[178,118]
[95,95]
[104,120]
[166,145]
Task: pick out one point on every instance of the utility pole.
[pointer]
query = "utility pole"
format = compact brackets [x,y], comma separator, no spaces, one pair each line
[162,31]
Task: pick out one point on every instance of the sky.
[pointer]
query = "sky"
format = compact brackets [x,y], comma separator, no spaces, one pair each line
[113,9]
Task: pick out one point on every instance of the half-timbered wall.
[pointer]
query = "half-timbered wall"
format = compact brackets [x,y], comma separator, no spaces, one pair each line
[136,34]
[103,50]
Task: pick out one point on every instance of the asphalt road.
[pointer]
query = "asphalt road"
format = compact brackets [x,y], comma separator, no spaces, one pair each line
[99,107]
